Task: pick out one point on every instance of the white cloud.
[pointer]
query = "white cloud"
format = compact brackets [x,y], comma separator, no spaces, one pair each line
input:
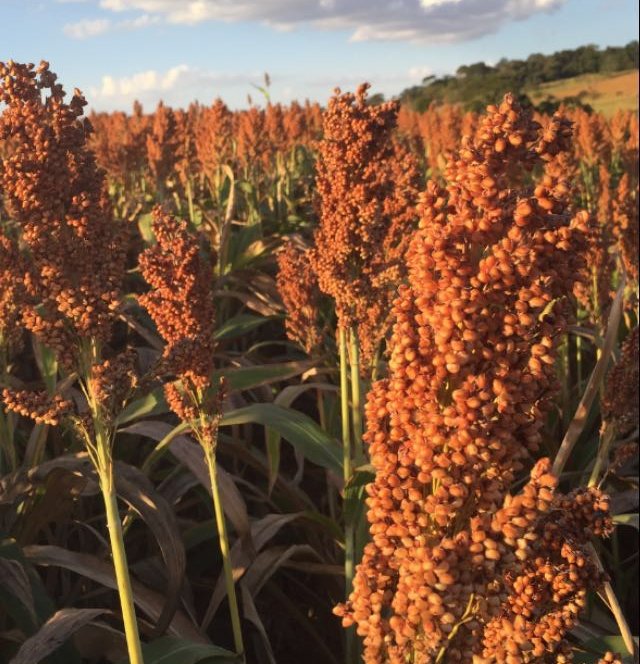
[138,22]
[141,82]
[177,86]
[406,20]
[91,28]
[418,73]
[87,28]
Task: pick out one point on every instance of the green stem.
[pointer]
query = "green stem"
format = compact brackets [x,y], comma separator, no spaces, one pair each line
[614,606]
[210,457]
[356,401]
[120,565]
[344,405]
[190,202]
[347,469]
[606,439]
[8,458]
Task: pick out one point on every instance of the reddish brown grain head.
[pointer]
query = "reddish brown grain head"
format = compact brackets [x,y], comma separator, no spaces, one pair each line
[55,192]
[365,197]
[180,302]
[471,378]
[298,288]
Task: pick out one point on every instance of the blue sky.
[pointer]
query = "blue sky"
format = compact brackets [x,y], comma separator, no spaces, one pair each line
[181,50]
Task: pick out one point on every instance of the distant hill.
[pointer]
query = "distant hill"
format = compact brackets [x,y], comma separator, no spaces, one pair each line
[605,93]
[543,80]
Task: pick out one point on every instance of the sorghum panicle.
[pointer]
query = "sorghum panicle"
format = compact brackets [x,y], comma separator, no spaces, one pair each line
[12,297]
[361,211]
[163,145]
[619,403]
[180,303]
[471,378]
[38,406]
[54,190]
[213,137]
[298,287]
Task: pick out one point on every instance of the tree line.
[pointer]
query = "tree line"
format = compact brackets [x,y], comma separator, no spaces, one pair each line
[476,85]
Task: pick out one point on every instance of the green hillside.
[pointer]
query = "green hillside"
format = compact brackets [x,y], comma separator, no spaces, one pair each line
[605,93]
[607,77]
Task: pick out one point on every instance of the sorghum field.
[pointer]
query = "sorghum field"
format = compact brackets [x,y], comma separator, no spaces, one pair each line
[316,384]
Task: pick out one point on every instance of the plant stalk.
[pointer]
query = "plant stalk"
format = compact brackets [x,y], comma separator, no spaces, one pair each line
[607,437]
[347,470]
[210,456]
[120,565]
[356,400]
[344,405]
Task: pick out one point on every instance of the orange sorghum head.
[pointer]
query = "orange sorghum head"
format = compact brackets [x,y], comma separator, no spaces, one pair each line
[610,658]
[180,303]
[119,142]
[163,145]
[619,403]
[274,128]
[363,215]
[625,221]
[39,406]
[298,288]
[55,192]
[12,296]
[213,137]
[251,138]
[186,154]
[471,378]
[294,123]
[112,381]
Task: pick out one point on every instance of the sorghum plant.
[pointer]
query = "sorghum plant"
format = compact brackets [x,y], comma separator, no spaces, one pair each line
[180,303]
[298,288]
[213,133]
[457,568]
[76,248]
[163,147]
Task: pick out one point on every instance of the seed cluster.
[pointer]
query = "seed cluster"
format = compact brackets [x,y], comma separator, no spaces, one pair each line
[12,296]
[112,381]
[454,560]
[163,145]
[251,138]
[361,211]
[180,303]
[54,190]
[626,224]
[41,407]
[298,288]
[212,138]
[619,402]
[119,142]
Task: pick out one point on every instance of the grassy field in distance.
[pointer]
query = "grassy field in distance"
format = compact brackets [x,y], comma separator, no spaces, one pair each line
[606,93]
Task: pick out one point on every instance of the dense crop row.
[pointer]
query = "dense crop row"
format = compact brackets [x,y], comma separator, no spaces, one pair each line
[281,349]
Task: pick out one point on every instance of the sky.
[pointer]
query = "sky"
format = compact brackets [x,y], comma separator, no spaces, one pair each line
[180,51]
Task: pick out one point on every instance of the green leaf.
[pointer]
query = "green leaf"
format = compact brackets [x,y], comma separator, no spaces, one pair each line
[627,520]
[354,505]
[301,431]
[47,364]
[28,606]
[144,226]
[240,325]
[153,403]
[597,648]
[168,650]
[53,634]
[286,398]
[245,378]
